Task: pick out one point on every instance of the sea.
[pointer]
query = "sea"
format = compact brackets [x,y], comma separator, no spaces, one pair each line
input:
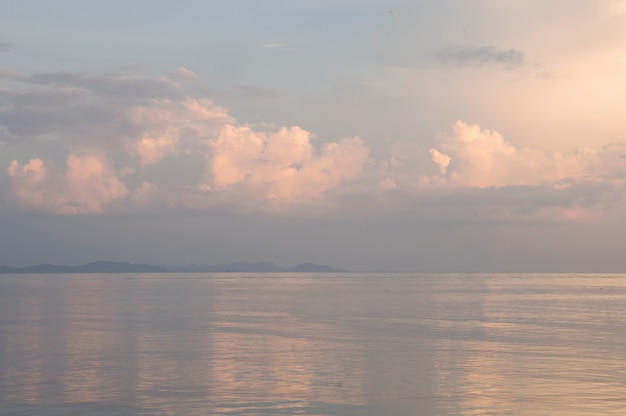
[313,344]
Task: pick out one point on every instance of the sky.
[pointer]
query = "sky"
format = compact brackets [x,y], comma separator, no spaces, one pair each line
[422,135]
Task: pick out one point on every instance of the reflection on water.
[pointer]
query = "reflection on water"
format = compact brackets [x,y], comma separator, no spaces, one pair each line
[345,344]
[543,345]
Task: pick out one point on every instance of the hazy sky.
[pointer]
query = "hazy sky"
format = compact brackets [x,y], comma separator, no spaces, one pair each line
[450,135]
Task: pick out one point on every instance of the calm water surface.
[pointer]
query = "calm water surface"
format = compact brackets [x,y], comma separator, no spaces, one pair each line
[306,344]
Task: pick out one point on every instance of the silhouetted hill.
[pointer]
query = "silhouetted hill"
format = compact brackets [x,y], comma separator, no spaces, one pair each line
[44,268]
[116,267]
[96,267]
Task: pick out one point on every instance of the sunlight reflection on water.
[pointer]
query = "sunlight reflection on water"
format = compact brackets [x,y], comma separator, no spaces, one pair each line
[344,344]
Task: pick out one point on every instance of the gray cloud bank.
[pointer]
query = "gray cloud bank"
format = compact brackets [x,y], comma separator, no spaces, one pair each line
[478,56]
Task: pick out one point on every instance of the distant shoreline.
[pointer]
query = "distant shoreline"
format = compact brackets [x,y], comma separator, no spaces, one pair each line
[121,267]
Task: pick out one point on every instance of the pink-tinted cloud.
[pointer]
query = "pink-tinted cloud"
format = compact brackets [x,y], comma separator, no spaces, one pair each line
[164,124]
[173,147]
[282,166]
[87,186]
[481,158]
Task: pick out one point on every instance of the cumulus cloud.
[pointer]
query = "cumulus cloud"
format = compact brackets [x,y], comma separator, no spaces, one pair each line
[87,185]
[85,114]
[478,56]
[173,147]
[165,123]
[476,157]
[441,160]
[481,158]
[282,166]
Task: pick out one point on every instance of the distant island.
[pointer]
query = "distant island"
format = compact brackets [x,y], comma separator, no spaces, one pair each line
[117,267]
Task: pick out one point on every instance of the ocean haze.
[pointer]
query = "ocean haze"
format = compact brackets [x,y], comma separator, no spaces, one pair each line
[399,243]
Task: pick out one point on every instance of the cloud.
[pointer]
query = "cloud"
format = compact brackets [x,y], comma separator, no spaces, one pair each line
[476,176]
[173,148]
[282,166]
[86,186]
[116,85]
[441,160]
[493,180]
[164,123]
[461,56]
[481,158]
[183,75]
[243,164]
[5,47]
[110,111]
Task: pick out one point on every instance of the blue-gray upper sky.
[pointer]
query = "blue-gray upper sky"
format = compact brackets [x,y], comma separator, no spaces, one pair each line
[399,135]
